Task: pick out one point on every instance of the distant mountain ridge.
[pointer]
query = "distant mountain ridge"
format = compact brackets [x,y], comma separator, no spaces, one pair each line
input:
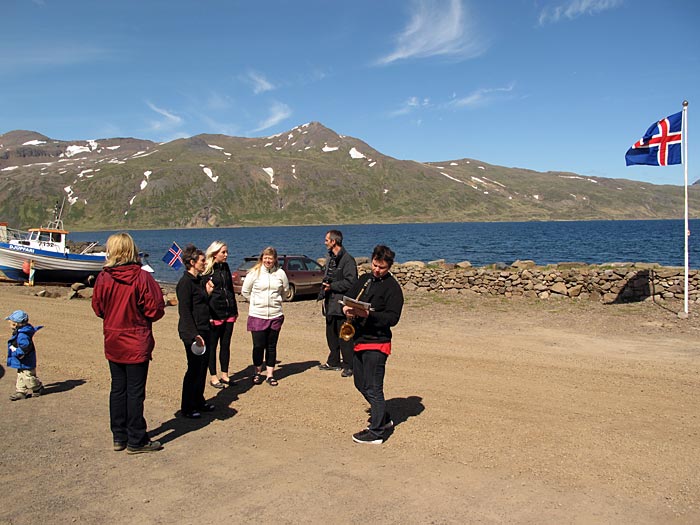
[307,175]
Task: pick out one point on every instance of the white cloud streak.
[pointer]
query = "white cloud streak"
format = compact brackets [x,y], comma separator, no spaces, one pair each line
[436,28]
[410,105]
[480,97]
[259,82]
[170,121]
[278,113]
[575,8]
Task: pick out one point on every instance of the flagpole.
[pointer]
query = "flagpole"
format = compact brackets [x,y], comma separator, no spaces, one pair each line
[685,169]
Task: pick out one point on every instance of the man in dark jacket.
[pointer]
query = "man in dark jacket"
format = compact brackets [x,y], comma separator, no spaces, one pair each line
[372,340]
[341,274]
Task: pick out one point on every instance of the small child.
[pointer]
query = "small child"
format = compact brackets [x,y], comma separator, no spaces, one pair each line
[21,354]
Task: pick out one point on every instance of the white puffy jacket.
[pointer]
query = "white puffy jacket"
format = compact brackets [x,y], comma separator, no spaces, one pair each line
[264,290]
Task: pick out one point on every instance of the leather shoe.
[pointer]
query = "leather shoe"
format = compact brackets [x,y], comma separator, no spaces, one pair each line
[347,372]
[327,367]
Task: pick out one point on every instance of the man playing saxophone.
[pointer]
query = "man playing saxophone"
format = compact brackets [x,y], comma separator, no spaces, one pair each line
[372,339]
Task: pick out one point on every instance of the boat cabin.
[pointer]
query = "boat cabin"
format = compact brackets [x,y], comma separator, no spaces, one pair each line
[49,239]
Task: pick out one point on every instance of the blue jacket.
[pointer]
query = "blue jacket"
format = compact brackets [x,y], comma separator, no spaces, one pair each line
[21,353]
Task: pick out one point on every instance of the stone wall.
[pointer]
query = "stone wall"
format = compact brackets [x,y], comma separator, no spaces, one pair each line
[609,283]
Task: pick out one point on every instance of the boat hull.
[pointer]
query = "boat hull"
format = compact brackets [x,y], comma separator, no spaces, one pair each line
[49,267]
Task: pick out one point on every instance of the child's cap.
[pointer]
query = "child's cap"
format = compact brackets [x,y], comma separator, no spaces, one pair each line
[18,316]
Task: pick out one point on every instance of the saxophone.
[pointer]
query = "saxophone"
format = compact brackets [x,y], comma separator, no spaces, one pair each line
[347,329]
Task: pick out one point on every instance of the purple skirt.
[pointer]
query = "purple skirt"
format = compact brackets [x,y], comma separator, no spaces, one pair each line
[255,324]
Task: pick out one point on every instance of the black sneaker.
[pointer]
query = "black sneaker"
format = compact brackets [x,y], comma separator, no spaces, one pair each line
[119,446]
[327,367]
[367,437]
[347,372]
[151,446]
[386,427]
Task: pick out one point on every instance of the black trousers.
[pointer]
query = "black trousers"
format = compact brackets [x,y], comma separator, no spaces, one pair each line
[337,348]
[220,334]
[265,345]
[368,374]
[126,397]
[194,380]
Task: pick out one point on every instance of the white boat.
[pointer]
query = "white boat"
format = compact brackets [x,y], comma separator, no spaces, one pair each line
[43,251]
[41,255]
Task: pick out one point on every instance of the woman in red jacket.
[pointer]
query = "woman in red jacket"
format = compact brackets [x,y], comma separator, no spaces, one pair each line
[128,300]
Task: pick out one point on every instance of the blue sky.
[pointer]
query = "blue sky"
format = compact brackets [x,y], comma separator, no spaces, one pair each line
[563,85]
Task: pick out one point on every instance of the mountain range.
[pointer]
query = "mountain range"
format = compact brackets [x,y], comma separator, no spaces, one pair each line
[307,175]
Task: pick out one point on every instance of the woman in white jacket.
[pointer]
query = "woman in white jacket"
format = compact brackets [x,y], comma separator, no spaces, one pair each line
[264,286]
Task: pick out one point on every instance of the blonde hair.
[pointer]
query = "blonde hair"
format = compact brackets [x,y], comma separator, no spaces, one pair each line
[213,250]
[267,251]
[121,249]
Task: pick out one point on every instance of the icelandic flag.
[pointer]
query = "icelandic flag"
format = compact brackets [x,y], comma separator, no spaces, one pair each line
[174,257]
[660,145]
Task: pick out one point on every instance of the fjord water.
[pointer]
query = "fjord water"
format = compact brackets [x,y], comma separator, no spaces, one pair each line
[481,243]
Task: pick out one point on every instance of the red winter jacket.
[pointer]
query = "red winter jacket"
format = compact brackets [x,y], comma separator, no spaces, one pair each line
[129,300]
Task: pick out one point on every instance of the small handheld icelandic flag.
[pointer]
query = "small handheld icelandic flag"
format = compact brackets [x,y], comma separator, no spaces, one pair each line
[174,257]
[660,145]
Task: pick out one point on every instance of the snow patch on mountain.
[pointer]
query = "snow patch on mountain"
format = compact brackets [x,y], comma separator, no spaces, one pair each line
[207,171]
[271,173]
[356,154]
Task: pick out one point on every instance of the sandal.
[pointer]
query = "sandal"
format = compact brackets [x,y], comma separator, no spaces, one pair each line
[258,379]
[272,381]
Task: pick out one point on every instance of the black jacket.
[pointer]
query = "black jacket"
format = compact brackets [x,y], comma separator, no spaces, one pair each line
[222,301]
[193,307]
[386,298]
[341,271]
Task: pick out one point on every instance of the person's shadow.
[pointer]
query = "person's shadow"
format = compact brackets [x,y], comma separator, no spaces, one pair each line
[178,426]
[403,408]
[290,369]
[62,386]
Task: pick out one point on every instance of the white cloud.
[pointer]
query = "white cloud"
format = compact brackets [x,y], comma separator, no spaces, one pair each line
[479,97]
[259,82]
[278,113]
[436,28]
[575,8]
[409,105]
[171,120]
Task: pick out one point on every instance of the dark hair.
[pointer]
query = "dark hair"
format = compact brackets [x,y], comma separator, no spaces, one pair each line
[336,235]
[190,255]
[383,253]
